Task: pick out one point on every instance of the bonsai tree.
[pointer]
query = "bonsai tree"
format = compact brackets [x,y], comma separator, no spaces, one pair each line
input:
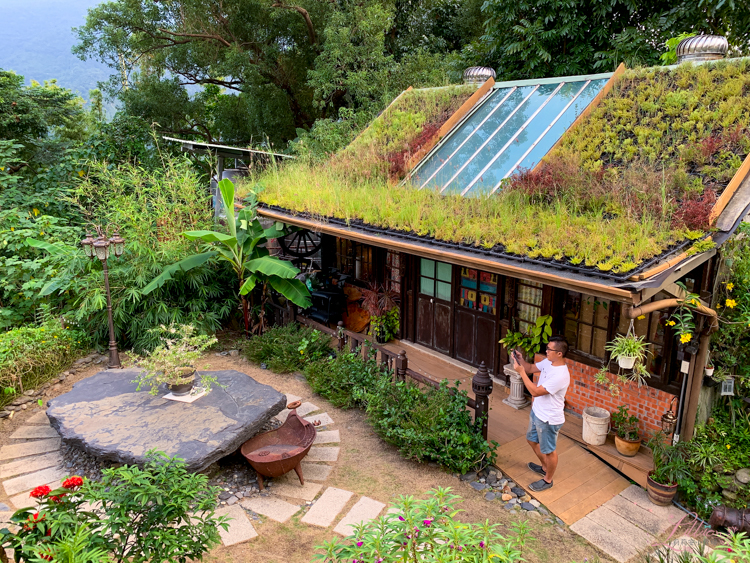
[244,250]
[529,343]
[173,361]
[625,424]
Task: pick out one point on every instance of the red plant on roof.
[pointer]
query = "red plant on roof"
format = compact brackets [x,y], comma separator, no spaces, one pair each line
[695,212]
[710,146]
[399,159]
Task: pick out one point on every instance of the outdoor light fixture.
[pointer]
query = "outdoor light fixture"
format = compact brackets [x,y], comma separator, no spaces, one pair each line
[669,420]
[100,248]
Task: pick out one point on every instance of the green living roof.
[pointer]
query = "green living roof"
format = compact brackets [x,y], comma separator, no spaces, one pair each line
[633,180]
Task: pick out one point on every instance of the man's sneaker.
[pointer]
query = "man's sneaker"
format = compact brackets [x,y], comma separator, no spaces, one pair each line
[536,468]
[541,485]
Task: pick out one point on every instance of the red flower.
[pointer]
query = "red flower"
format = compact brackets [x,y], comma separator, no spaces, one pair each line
[72,482]
[46,556]
[40,492]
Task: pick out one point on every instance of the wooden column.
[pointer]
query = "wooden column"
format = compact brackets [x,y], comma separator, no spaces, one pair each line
[481,384]
[402,364]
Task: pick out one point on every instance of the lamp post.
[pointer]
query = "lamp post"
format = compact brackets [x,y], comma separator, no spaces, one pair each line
[669,420]
[100,248]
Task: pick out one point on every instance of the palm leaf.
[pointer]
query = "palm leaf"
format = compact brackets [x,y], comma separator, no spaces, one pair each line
[226,187]
[183,265]
[57,248]
[294,290]
[272,266]
[212,236]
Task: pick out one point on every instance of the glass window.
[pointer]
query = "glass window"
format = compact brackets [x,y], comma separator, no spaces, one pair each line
[478,290]
[435,279]
[586,323]
[393,271]
[528,303]
[355,259]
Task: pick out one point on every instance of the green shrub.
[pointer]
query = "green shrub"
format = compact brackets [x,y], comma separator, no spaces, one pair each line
[288,348]
[345,379]
[415,530]
[30,355]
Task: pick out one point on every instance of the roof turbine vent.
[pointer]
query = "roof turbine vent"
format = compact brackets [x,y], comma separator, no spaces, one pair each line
[478,74]
[702,48]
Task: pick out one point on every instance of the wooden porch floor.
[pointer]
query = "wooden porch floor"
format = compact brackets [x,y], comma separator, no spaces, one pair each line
[583,482]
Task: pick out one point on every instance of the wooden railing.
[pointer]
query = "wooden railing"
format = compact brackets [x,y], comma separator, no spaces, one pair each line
[398,363]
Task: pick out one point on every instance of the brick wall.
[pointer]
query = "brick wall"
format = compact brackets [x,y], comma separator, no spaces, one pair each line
[647,403]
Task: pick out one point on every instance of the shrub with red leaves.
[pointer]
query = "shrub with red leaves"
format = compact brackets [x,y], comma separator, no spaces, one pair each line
[710,146]
[399,159]
[694,213]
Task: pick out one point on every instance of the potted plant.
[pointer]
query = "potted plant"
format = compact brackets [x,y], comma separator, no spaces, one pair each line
[172,362]
[627,437]
[628,350]
[381,304]
[670,467]
[529,343]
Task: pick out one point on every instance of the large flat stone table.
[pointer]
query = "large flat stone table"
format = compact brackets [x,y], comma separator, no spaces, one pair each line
[105,416]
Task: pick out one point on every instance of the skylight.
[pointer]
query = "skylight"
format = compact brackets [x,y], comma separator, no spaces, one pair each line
[512,129]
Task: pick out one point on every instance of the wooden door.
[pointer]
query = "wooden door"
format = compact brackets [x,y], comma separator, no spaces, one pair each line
[476,318]
[434,305]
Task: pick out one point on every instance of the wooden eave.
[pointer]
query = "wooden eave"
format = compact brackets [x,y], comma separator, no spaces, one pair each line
[456,257]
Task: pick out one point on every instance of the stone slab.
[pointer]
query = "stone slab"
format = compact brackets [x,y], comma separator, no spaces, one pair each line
[27,432]
[644,518]
[303,410]
[291,398]
[324,419]
[327,437]
[330,453]
[639,496]
[38,418]
[29,448]
[310,471]
[327,507]
[364,510]
[271,507]
[32,480]
[240,528]
[308,491]
[25,501]
[30,464]
[613,534]
[683,544]
[106,417]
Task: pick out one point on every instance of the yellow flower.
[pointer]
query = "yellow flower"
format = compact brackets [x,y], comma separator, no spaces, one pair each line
[55,336]
[670,323]
[694,302]
[2,168]
[686,338]
[12,228]
[36,211]
[640,318]
[728,446]
[81,173]
[730,286]
[731,303]
[41,233]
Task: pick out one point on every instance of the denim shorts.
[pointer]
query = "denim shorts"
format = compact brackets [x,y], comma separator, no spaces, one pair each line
[543,433]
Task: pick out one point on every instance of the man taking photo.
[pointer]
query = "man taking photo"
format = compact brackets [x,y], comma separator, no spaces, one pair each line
[547,412]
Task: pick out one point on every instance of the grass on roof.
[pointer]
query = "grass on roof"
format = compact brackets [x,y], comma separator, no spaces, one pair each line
[639,174]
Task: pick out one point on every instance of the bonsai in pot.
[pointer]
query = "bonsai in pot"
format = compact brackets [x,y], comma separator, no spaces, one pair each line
[670,467]
[381,304]
[172,362]
[627,437]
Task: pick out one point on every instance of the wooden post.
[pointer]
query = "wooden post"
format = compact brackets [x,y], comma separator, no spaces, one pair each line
[481,384]
[340,335]
[402,364]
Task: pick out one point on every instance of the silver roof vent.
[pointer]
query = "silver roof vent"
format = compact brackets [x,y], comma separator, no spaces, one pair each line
[478,74]
[702,48]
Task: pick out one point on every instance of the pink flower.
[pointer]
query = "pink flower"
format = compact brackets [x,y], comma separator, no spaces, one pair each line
[401,518]
[427,522]
[359,543]
[481,544]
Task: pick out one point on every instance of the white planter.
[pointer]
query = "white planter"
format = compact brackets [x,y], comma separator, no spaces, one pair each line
[709,372]
[626,362]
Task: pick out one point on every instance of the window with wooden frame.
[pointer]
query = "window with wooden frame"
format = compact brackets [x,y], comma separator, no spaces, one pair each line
[393,271]
[435,279]
[478,290]
[528,303]
[355,259]
[586,324]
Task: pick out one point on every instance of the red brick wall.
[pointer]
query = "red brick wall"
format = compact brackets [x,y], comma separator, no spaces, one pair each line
[647,403]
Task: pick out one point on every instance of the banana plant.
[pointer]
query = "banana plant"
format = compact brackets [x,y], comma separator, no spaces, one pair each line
[244,249]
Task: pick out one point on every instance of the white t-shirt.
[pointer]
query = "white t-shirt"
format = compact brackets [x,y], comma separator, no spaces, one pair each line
[555,379]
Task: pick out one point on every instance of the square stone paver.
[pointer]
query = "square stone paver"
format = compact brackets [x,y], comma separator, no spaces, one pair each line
[29,448]
[31,464]
[330,453]
[639,496]
[327,507]
[32,480]
[240,528]
[645,519]
[328,437]
[271,507]
[612,533]
[26,432]
[308,491]
[324,419]
[25,501]
[38,418]
[310,471]
[364,510]
[306,408]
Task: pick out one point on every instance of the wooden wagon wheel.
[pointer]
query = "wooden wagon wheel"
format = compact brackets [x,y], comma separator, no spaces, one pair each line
[301,243]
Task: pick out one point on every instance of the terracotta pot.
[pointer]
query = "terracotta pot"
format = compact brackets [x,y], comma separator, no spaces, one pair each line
[628,448]
[659,494]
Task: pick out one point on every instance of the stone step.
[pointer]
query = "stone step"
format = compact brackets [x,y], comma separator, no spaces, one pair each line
[365,510]
[29,448]
[32,480]
[324,419]
[302,410]
[310,471]
[25,501]
[26,432]
[30,464]
[271,507]
[327,507]
[240,528]
[294,490]
[328,437]
[38,418]
[323,454]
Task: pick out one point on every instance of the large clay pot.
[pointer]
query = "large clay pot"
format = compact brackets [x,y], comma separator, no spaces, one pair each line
[628,448]
[659,494]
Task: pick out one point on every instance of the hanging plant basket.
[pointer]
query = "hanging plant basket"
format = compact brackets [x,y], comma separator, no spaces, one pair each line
[626,362]
[709,371]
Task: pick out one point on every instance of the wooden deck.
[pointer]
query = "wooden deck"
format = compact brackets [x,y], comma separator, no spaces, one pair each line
[583,482]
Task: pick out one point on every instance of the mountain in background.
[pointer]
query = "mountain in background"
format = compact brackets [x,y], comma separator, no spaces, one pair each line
[36,38]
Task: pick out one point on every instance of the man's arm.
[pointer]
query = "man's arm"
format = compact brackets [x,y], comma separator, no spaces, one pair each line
[534,389]
[528,367]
